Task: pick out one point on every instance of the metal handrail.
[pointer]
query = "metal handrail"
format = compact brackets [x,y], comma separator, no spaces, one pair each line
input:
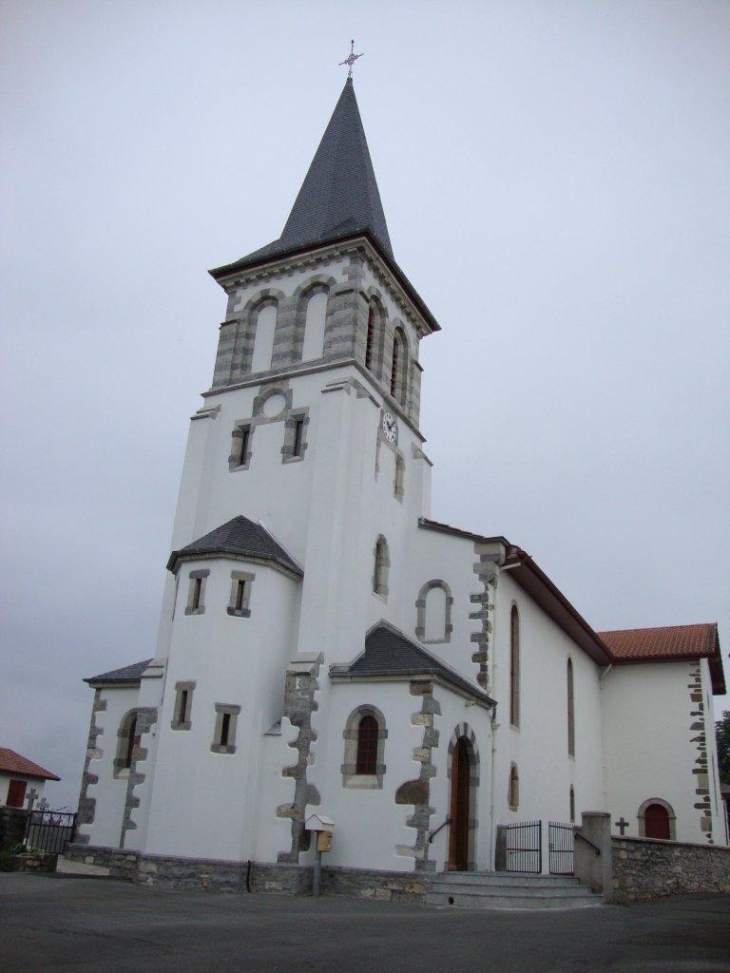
[433,834]
[594,847]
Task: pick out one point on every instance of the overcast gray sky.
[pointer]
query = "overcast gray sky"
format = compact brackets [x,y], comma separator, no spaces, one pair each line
[555,179]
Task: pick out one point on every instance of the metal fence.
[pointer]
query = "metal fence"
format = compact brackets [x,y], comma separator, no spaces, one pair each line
[521,847]
[560,848]
[50,831]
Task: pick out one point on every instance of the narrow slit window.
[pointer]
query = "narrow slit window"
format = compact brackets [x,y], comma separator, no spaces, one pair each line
[224,735]
[514,668]
[240,600]
[571,710]
[225,729]
[196,592]
[183,706]
[298,436]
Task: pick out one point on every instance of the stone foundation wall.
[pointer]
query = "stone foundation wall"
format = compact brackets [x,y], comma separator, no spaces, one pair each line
[121,863]
[386,886]
[13,821]
[644,869]
[214,875]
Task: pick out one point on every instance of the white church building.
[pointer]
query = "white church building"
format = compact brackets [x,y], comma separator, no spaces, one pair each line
[327,647]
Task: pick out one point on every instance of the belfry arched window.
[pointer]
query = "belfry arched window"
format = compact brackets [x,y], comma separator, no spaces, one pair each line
[264,330]
[399,367]
[370,340]
[315,319]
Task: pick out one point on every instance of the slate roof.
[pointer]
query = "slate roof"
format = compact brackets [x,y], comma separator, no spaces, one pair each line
[389,653]
[12,763]
[339,193]
[672,642]
[239,537]
[127,674]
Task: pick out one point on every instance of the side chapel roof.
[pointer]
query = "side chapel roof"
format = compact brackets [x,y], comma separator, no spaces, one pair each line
[389,654]
[129,675]
[239,537]
[13,763]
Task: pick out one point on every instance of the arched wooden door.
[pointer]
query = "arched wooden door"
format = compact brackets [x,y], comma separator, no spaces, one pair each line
[459,811]
[656,822]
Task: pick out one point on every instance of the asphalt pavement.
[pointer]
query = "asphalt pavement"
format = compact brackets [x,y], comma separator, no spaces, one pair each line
[73,923]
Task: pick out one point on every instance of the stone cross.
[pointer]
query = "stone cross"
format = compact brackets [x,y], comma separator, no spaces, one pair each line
[30,799]
[43,804]
[621,825]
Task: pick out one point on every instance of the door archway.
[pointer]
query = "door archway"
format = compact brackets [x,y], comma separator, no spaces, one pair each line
[464,777]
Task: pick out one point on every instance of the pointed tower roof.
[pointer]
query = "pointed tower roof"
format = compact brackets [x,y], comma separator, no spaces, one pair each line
[339,194]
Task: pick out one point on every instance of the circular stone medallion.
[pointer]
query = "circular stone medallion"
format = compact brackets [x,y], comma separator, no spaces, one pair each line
[274,405]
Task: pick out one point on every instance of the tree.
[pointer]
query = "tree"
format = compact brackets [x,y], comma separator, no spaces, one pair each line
[722,735]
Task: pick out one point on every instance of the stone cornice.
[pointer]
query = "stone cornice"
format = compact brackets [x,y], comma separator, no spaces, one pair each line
[386,271]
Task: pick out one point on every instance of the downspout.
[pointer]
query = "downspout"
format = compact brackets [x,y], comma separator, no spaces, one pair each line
[495,727]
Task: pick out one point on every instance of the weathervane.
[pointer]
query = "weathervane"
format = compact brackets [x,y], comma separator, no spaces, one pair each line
[351,59]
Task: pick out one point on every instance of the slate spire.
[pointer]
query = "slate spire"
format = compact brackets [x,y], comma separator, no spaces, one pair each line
[339,193]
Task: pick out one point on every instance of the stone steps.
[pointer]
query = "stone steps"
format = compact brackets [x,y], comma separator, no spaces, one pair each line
[499,890]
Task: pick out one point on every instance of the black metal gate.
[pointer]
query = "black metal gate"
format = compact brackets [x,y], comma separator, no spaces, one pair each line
[560,848]
[50,831]
[522,847]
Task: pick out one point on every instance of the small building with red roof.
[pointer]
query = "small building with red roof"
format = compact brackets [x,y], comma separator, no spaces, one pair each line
[18,775]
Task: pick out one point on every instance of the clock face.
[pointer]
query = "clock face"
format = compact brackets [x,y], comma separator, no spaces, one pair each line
[390,429]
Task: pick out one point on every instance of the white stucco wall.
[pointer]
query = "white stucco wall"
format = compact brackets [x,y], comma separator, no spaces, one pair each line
[110,791]
[651,733]
[203,803]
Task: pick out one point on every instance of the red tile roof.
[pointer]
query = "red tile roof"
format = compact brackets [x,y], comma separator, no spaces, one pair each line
[12,763]
[674,642]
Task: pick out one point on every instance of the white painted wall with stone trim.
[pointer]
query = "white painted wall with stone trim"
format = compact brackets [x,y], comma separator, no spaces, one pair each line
[648,744]
[109,792]
[539,747]
[328,510]
[203,803]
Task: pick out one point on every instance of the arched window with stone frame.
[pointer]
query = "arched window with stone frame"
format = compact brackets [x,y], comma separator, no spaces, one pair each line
[365,734]
[381,567]
[433,612]
[314,314]
[263,330]
[127,740]
[513,790]
[400,367]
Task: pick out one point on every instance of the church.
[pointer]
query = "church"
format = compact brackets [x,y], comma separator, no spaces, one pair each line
[330,650]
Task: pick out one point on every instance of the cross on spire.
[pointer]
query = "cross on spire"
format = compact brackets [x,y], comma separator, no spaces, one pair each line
[349,61]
